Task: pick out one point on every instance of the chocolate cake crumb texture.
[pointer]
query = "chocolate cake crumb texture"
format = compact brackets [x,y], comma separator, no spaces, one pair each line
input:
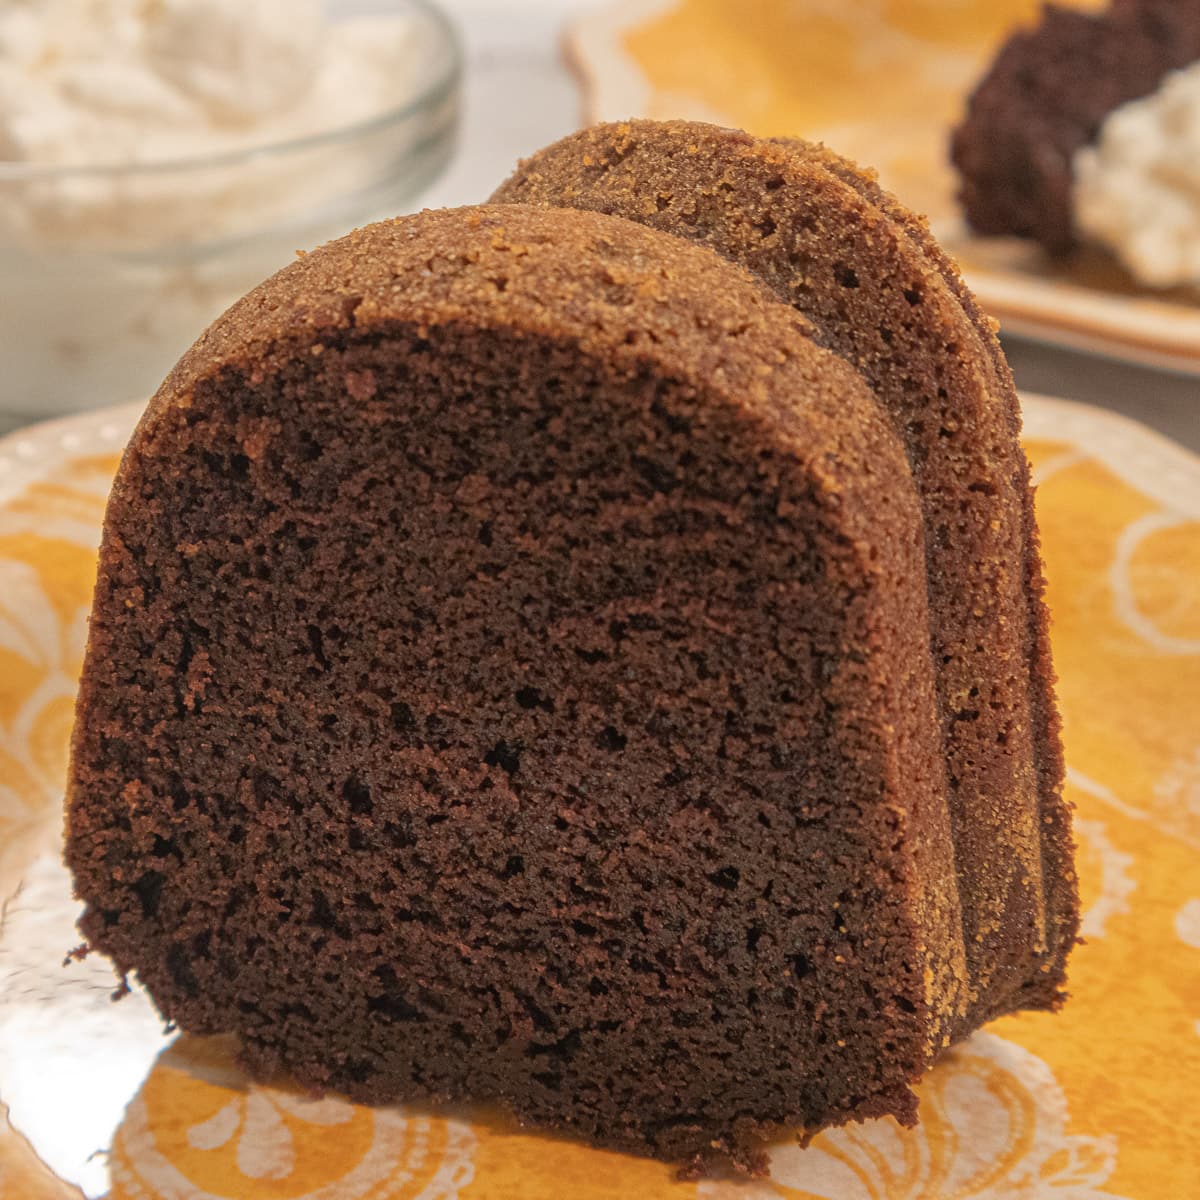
[828,241]
[528,661]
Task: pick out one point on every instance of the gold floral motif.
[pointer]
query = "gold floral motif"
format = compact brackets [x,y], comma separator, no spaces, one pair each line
[994,1126]
[199,1129]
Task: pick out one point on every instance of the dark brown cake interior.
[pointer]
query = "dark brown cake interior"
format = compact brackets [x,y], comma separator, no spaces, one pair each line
[831,244]
[509,680]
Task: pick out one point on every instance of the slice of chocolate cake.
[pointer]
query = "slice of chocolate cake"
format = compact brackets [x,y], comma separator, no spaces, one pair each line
[831,244]
[509,680]
[1046,96]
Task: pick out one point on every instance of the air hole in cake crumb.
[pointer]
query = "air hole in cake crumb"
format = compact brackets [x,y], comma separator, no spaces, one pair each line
[659,476]
[774,183]
[239,466]
[611,740]
[391,1003]
[541,1020]
[905,1005]
[584,929]
[180,967]
[514,867]
[165,848]
[186,653]
[358,796]
[484,536]
[565,1048]
[597,988]
[590,656]
[506,756]
[399,833]
[662,203]
[639,919]
[753,937]
[765,227]
[322,912]
[846,276]
[179,797]
[673,421]
[309,449]
[149,891]
[673,778]
[393,1007]
[913,296]
[727,878]
[984,489]
[799,966]
[402,717]
[316,642]
[530,697]
[886,334]
[358,1070]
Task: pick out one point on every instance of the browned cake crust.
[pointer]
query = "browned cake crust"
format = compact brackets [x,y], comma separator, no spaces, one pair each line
[509,680]
[1062,900]
[830,243]
[1045,96]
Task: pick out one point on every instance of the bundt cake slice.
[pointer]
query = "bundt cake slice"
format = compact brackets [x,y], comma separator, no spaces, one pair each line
[509,680]
[830,243]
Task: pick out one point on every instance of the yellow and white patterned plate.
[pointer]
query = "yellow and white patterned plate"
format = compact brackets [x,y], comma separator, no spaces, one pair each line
[882,81]
[1096,1103]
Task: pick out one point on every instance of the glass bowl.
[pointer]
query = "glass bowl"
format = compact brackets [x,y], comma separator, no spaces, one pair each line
[108,273]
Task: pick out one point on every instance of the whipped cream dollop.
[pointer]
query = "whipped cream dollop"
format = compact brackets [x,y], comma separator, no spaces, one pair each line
[1137,188]
[87,82]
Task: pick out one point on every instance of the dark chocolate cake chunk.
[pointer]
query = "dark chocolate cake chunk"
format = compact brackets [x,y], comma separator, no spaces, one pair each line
[880,293]
[1046,96]
[509,680]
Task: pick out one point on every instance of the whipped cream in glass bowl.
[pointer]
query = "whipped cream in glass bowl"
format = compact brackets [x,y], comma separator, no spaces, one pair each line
[160,157]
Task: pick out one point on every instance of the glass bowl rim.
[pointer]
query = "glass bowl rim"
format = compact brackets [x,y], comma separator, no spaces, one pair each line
[446,47]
